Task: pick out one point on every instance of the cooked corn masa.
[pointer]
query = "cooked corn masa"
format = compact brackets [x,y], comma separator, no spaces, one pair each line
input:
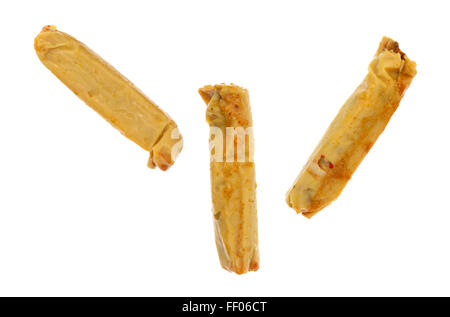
[111,95]
[233,183]
[354,130]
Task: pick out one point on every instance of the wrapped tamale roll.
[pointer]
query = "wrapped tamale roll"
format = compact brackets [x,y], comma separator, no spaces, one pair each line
[111,95]
[354,130]
[233,183]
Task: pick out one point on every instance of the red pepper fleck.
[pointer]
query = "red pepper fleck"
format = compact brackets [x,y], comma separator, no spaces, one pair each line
[323,160]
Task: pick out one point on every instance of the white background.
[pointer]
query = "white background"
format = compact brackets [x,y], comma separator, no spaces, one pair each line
[81,214]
